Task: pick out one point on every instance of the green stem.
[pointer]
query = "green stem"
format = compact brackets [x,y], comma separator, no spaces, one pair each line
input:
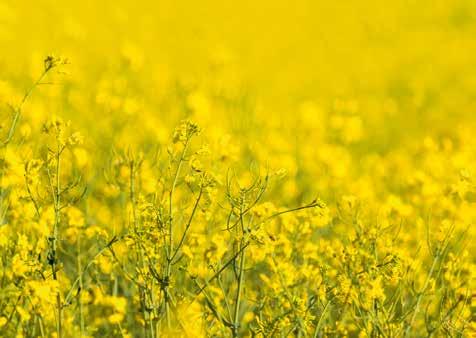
[170,251]
[81,310]
[54,259]
[238,294]
[236,319]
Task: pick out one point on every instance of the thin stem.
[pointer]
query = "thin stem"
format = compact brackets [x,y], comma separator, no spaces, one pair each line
[321,318]
[54,239]
[189,223]
[170,251]
[30,194]
[18,110]
[211,279]
[241,273]
[238,295]
[81,310]
[139,253]
[420,296]
[172,191]
[225,297]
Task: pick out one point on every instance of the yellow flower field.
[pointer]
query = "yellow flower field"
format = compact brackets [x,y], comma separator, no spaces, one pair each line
[237,169]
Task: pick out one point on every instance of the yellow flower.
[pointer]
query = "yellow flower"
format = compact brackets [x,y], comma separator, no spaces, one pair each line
[75,217]
[19,266]
[3,321]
